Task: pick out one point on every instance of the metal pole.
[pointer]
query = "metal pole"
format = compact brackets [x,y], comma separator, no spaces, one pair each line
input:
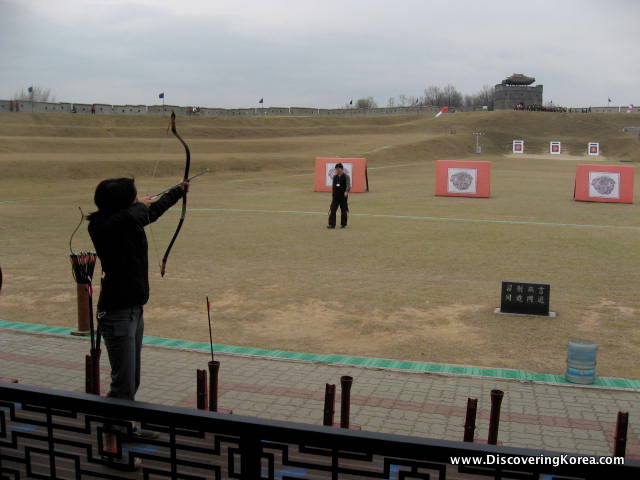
[329,404]
[494,418]
[345,400]
[620,440]
[470,422]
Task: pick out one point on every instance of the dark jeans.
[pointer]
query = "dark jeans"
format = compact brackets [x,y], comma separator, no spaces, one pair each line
[344,210]
[122,331]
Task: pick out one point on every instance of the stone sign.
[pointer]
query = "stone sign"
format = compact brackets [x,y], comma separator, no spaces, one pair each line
[525,298]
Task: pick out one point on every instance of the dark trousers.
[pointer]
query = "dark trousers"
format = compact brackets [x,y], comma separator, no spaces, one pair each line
[339,201]
[122,331]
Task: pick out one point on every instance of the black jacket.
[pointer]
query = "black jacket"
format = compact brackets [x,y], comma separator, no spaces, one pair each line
[341,184]
[121,245]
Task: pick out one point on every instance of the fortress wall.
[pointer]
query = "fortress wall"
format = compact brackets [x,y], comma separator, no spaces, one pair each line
[506,96]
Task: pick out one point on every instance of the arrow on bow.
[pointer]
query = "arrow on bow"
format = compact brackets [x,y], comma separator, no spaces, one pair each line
[172,126]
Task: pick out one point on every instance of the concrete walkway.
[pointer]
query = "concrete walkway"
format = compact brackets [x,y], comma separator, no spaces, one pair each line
[535,415]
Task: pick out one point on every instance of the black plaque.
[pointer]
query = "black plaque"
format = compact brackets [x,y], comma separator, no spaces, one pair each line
[525,298]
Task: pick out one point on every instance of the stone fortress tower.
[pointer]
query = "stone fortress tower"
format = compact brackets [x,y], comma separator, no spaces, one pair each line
[515,90]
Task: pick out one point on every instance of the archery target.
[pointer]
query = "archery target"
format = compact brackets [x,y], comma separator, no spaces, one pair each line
[462,180]
[604,184]
[518,146]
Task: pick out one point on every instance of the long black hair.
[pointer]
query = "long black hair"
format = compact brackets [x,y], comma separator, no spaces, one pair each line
[114,194]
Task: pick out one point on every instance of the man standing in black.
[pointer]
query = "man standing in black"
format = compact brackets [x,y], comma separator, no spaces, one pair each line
[117,232]
[340,195]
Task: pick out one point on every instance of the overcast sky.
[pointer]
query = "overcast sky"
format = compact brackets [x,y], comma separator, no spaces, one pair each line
[316,52]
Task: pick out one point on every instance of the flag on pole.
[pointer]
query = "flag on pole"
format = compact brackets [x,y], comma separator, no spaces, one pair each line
[609,100]
[30,89]
[442,110]
[630,108]
[161,95]
[351,102]
[261,100]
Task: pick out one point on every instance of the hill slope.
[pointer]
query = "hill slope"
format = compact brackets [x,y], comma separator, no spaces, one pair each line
[79,146]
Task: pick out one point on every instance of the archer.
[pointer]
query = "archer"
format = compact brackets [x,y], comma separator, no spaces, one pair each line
[117,232]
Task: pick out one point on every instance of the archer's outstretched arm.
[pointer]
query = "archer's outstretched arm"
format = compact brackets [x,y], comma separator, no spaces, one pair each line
[145,215]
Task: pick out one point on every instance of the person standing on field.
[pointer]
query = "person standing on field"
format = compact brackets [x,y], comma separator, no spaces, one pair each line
[340,195]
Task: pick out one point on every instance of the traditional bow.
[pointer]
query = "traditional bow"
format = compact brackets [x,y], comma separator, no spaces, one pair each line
[172,126]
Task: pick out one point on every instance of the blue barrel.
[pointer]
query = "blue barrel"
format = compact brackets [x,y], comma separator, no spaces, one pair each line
[581,362]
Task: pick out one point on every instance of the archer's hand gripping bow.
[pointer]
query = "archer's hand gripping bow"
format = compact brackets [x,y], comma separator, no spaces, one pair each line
[172,126]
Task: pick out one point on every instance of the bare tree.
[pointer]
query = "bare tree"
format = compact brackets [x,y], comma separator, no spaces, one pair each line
[469,101]
[432,95]
[483,98]
[446,96]
[391,102]
[451,96]
[366,103]
[38,94]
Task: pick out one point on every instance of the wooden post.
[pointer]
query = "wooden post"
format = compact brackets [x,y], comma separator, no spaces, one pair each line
[82,297]
[470,422]
[345,400]
[494,418]
[620,440]
[329,404]
[214,368]
[201,390]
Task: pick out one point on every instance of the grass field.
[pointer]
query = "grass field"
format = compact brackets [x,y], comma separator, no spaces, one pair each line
[413,277]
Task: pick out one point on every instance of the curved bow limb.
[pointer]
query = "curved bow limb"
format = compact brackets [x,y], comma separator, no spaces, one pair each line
[172,126]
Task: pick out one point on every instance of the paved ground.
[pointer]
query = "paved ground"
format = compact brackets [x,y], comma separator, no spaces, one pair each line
[558,417]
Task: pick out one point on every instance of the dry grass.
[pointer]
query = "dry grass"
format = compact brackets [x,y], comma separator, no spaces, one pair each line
[389,287]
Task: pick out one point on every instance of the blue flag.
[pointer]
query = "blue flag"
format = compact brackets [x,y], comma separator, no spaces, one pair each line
[261,100]
[161,95]
[30,89]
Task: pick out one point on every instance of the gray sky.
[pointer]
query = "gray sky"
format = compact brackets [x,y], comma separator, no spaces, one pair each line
[316,52]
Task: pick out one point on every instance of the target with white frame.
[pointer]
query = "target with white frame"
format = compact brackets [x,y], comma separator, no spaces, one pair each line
[331,171]
[593,148]
[518,146]
[555,148]
[462,180]
[604,184]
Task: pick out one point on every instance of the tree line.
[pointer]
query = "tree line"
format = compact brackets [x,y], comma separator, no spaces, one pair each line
[434,95]
[37,94]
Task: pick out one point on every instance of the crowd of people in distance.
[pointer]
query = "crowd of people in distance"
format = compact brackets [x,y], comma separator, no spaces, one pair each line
[539,108]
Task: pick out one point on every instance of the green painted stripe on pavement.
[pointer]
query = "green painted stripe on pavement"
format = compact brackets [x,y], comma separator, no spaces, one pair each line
[8,201]
[419,217]
[343,359]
